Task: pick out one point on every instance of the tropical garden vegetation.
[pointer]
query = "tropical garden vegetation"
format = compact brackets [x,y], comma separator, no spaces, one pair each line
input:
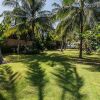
[62,62]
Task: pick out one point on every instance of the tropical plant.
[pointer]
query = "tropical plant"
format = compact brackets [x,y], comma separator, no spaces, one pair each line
[29,17]
[1,39]
[76,16]
[91,39]
[1,58]
[8,81]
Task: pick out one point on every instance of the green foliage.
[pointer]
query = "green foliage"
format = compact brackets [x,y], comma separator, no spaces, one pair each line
[1,29]
[2,37]
[67,2]
[56,76]
[8,78]
[91,38]
[10,32]
[8,81]
[27,18]
[70,21]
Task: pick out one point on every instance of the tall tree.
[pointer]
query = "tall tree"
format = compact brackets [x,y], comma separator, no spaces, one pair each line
[81,26]
[1,58]
[1,32]
[81,16]
[30,14]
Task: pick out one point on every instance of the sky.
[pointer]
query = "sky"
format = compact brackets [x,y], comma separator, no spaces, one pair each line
[48,6]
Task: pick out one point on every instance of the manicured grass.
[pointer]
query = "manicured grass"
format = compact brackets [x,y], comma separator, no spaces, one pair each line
[53,75]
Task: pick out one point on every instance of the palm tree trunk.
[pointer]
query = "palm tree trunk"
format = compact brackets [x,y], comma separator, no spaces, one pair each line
[33,36]
[81,47]
[1,58]
[62,43]
[81,28]
[18,46]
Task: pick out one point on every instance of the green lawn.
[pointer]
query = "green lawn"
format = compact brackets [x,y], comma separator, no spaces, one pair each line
[54,75]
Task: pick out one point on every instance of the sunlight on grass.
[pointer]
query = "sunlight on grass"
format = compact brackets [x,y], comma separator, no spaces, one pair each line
[54,75]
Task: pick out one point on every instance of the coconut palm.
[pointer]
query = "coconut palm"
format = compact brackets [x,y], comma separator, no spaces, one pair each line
[1,31]
[28,14]
[76,15]
[1,58]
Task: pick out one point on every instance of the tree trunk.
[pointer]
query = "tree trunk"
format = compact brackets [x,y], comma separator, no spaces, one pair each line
[65,43]
[1,58]
[33,36]
[33,33]
[62,43]
[81,28]
[18,46]
[81,47]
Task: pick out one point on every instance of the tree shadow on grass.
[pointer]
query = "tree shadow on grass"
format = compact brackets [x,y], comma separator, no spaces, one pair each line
[67,76]
[8,80]
[59,58]
[93,68]
[68,79]
[88,61]
[94,63]
[1,97]
[37,76]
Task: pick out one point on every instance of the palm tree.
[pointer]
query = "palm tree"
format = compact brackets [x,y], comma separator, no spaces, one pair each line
[75,15]
[29,14]
[1,31]
[1,58]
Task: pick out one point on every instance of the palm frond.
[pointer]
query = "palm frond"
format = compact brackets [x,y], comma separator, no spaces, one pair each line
[56,5]
[13,3]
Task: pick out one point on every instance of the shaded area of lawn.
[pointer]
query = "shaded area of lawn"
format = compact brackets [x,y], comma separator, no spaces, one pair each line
[93,62]
[1,97]
[58,56]
[65,76]
[55,57]
[37,76]
[54,75]
[8,80]
[69,81]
